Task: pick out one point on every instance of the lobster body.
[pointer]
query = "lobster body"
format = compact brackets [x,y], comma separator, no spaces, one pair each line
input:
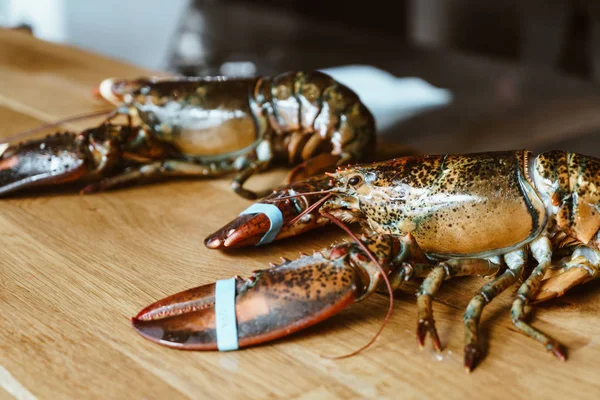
[569,184]
[297,113]
[292,118]
[202,117]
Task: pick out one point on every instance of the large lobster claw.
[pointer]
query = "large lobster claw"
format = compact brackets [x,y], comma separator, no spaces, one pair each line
[249,229]
[51,160]
[108,154]
[274,302]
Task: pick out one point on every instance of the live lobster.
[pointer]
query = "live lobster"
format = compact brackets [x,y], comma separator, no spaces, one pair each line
[433,217]
[202,127]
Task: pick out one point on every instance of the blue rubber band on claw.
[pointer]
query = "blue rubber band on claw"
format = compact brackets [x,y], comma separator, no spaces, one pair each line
[226,323]
[275,218]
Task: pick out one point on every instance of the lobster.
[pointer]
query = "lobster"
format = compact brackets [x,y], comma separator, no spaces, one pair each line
[431,216]
[203,127]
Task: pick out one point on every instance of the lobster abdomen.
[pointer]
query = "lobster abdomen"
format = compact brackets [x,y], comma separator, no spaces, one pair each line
[302,113]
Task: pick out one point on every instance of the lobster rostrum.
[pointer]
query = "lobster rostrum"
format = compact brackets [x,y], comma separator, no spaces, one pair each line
[433,217]
[204,127]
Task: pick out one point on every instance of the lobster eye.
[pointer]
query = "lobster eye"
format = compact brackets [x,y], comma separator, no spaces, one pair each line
[355,180]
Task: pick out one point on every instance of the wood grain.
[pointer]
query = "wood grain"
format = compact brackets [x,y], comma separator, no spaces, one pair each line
[75,268]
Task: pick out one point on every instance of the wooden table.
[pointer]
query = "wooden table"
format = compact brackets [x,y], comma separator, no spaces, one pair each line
[75,268]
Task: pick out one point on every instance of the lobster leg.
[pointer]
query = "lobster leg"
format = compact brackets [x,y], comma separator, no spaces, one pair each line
[273,302]
[486,294]
[426,323]
[155,170]
[542,252]
[321,163]
[238,182]
[443,271]
[583,267]
[324,162]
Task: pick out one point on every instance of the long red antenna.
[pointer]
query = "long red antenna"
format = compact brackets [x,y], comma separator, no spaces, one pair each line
[385,278]
[300,194]
[309,209]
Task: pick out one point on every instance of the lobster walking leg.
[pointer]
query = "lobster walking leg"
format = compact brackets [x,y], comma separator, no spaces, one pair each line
[443,271]
[238,182]
[417,265]
[426,323]
[486,294]
[320,163]
[542,252]
[155,170]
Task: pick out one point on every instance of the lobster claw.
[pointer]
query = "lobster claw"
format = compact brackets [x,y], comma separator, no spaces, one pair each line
[273,302]
[249,229]
[51,160]
[560,283]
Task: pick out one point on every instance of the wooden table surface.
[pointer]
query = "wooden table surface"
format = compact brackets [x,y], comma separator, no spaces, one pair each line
[75,268]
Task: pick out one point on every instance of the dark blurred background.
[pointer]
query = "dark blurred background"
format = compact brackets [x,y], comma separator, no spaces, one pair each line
[561,34]
[521,73]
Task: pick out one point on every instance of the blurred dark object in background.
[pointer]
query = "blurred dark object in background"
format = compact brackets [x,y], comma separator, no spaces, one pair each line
[237,37]
[562,33]
[254,37]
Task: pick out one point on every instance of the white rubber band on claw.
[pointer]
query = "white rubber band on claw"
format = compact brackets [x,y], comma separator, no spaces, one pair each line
[275,218]
[226,323]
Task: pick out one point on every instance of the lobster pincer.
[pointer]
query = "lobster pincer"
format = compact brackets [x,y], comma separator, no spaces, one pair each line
[254,226]
[58,158]
[100,157]
[274,302]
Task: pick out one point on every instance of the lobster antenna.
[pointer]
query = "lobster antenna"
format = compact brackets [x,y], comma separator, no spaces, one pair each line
[385,278]
[32,131]
[300,194]
[309,209]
